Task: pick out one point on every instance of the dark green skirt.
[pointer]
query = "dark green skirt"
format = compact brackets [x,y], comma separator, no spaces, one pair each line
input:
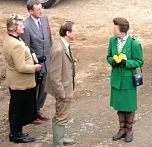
[124,99]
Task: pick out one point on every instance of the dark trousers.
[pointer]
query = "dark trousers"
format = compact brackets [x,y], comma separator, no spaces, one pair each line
[22,109]
[40,93]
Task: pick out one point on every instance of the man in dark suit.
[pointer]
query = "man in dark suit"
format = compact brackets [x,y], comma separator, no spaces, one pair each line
[37,36]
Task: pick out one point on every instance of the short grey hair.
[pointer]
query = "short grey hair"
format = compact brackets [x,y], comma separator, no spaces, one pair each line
[31,3]
[12,22]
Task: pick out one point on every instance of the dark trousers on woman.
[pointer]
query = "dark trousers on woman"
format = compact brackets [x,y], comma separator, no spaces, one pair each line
[22,110]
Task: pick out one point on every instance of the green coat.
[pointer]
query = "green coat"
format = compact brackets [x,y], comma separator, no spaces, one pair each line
[123,92]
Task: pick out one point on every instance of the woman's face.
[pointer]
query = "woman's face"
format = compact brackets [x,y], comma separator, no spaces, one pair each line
[116,31]
[20,28]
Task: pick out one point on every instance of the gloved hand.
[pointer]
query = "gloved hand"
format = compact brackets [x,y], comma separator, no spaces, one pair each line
[123,62]
[115,64]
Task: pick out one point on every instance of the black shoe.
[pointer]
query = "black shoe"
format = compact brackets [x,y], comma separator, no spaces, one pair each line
[24,134]
[20,134]
[21,139]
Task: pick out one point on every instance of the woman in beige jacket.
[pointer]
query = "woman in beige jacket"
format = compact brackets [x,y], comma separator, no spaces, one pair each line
[20,77]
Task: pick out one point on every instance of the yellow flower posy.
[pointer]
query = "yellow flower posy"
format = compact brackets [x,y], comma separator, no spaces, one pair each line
[119,58]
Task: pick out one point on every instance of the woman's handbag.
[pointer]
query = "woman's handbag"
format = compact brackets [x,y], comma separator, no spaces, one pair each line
[138,78]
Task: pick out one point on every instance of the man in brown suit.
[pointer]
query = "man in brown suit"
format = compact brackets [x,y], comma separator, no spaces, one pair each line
[60,81]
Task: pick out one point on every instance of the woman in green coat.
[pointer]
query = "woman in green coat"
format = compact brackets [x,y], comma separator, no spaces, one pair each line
[124,55]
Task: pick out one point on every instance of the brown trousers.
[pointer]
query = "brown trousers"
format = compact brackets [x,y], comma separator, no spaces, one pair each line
[62,111]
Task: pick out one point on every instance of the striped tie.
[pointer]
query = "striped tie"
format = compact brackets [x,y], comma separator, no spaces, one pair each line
[39,26]
[120,46]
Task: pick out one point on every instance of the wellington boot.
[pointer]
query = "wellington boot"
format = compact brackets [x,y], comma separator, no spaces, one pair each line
[68,141]
[58,134]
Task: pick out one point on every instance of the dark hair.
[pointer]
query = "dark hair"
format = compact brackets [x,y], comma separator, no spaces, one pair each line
[66,26]
[31,3]
[122,23]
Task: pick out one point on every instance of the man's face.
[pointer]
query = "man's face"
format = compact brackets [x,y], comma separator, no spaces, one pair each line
[71,35]
[116,31]
[37,11]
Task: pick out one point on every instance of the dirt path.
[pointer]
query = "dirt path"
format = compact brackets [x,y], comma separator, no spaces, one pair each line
[92,122]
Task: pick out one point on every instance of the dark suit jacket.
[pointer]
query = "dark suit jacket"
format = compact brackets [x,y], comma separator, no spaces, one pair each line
[39,43]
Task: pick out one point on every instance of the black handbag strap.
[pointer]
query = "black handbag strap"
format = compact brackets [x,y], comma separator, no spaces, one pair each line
[140,69]
[132,54]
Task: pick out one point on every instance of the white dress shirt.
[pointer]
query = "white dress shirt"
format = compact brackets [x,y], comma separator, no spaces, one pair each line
[123,39]
[66,44]
[36,21]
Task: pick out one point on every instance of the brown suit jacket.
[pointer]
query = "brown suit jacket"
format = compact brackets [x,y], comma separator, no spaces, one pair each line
[20,70]
[60,80]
